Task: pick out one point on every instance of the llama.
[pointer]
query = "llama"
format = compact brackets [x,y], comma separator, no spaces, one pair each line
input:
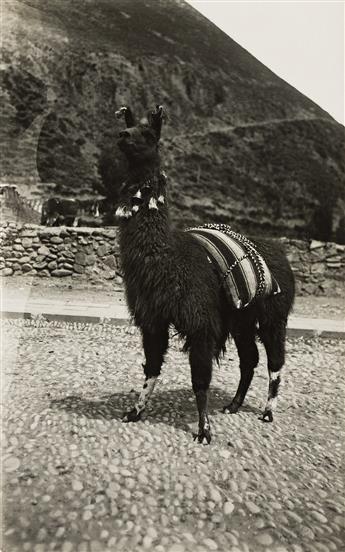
[170,281]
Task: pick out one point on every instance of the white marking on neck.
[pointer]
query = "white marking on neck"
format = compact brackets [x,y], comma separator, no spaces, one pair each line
[153,203]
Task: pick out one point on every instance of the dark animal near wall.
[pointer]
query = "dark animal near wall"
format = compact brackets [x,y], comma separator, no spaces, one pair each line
[169,280]
[59,211]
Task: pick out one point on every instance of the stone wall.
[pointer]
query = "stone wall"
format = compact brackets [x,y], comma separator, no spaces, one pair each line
[319,267]
[94,253]
[59,252]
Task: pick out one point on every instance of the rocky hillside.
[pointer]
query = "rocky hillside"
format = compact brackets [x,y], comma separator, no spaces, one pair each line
[240,145]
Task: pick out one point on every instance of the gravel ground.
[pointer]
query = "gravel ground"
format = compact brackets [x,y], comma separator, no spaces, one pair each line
[77,479]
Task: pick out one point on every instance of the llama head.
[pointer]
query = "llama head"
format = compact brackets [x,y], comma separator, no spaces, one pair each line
[139,142]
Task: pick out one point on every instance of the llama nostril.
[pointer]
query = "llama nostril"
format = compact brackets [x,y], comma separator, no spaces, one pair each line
[124,134]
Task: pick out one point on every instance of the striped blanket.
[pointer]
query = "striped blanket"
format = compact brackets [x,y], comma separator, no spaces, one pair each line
[244,272]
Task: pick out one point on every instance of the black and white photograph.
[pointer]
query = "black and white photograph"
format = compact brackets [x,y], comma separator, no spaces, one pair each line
[172,275]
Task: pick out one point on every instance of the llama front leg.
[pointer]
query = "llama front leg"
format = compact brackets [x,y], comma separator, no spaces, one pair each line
[155,345]
[201,368]
[134,415]
[273,389]
[274,342]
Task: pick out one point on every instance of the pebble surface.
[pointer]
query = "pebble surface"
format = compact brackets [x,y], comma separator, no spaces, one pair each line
[77,479]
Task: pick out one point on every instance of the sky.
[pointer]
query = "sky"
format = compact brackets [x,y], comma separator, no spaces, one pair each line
[302,41]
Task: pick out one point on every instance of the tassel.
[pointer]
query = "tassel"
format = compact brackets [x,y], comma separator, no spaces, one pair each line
[153,203]
[135,208]
[161,199]
[122,212]
[119,212]
[138,194]
[278,290]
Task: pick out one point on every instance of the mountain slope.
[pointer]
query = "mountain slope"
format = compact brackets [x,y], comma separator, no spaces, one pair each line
[240,144]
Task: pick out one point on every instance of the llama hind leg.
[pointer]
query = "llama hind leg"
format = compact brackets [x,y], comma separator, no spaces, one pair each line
[201,367]
[155,346]
[249,358]
[274,342]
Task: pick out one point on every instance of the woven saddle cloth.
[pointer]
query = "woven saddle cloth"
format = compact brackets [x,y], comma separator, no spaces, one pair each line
[243,271]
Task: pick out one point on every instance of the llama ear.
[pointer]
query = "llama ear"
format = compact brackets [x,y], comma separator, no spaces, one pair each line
[126,112]
[155,119]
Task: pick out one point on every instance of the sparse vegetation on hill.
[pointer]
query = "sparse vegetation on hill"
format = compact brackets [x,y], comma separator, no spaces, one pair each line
[241,145]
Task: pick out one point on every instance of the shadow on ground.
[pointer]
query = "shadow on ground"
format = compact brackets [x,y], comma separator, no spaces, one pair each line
[175,407]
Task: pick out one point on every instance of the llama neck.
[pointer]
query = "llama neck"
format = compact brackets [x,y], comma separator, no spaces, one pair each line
[146,247]
[145,170]
[148,230]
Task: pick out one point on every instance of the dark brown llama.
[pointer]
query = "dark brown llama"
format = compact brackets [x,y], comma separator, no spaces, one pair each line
[170,282]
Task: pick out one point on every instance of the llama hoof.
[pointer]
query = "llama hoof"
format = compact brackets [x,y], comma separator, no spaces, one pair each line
[231,408]
[267,416]
[203,437]
[131,416]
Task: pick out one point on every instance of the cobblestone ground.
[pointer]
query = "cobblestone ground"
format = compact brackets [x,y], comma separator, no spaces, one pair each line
[77,479]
